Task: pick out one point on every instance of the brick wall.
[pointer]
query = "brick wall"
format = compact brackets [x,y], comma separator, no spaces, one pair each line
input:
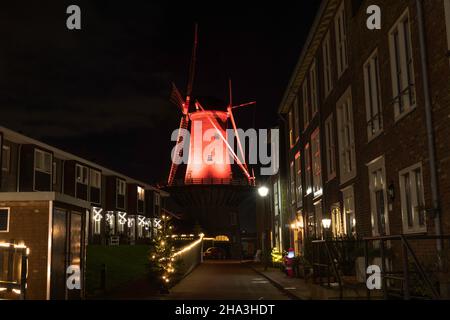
[29,224]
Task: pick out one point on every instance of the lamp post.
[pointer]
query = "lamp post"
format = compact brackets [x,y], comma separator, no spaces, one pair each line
[326,223]
[263,192]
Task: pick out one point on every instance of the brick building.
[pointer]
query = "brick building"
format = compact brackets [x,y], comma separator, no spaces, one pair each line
[367,123]
[56,203]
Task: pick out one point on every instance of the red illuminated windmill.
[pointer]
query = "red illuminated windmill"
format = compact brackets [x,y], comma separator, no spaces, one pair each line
[215,169]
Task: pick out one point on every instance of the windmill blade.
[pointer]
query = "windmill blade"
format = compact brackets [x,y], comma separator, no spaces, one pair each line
[192,67]
[244,105]
[176,98]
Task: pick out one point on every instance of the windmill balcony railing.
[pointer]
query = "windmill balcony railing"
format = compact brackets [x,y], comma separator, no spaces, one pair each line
[212,181]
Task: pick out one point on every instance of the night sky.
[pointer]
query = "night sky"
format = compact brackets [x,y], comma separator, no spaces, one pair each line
[103,92]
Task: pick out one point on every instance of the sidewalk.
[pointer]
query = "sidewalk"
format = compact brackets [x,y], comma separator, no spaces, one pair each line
[301,290]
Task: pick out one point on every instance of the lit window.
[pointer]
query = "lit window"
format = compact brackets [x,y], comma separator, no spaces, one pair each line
[373,96]
[330,148]
[43,161]
[6,159]
[402,67]
[308,182]
[82,174]
[291,129]
[96,179]
[412,199]
[298,180]
[349,211]
[327,66]
[318,219]
[317,166]
[341,40]
[141,193]
[347,157]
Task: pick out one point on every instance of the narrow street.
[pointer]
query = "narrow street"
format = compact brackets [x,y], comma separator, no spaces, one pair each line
[217,280]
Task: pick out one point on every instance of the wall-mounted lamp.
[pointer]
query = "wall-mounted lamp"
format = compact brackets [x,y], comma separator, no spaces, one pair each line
[326,223]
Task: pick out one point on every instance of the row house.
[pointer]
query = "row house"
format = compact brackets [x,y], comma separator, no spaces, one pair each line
[367,122]
[56,204]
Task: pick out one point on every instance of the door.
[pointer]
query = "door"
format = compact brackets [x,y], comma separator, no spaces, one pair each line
[75,251]
[59,249]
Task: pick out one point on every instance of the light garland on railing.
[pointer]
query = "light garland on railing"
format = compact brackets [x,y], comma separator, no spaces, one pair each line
[189,247]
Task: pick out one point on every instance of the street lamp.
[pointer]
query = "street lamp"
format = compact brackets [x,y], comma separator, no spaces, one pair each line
[263,191]
[326,223]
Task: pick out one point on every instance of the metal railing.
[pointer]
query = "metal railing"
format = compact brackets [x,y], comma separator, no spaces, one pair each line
[410,264]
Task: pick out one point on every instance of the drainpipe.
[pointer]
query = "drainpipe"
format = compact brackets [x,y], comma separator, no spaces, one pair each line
[429,124]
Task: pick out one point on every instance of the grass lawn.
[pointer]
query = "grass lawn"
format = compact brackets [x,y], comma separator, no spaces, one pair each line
[123,264]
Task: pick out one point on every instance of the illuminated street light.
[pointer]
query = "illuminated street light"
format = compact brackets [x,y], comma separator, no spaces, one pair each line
[263,191]
[326,223]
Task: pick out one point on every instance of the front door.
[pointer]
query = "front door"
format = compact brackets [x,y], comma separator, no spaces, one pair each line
[75,248]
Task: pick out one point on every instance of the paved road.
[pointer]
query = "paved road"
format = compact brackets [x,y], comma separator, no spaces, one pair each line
[225,280]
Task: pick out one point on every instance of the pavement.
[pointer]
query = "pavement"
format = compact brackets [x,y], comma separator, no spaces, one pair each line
[225,280]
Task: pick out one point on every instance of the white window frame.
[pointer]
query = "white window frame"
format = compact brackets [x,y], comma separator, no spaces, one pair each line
[330,145]
[84,178]
[340,28]
[416,200]
[298,180]
[7,220]
[306,113]
[140,193]
[121,187]
[93,174]
[327,65]
[46,167]
[346,137]
[313,89]
[6,154]
[372,90]
[316,163]
[375,185]
[308,168]
[402,70]
[348,198]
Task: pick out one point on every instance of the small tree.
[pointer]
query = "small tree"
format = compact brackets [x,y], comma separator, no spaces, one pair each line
[161,254]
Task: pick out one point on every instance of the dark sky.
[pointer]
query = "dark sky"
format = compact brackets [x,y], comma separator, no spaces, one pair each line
[103,92]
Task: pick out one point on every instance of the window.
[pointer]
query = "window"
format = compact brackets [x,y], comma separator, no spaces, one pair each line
[341,40]
[96,179]
[313,87]
[349,211]
[55,173]
[141,193]
[292,180]
[412,199]
[298,180]
[97,217]
[276,198]
[402,68]
[157,199]
[377,187]
[6,159]
[42,161]
[296,120]
[4,219]
[327,71]
[305,105]
[330,148]
[308,182]
[346,138]
[317,165]
[82,174]
[291,129]
[121,187]
[373,96]
[318,222]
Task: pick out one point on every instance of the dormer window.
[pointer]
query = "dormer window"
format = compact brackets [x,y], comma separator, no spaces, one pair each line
[82,174]
[42,161]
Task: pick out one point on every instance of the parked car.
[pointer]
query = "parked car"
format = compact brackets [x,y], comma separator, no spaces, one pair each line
[214,253]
